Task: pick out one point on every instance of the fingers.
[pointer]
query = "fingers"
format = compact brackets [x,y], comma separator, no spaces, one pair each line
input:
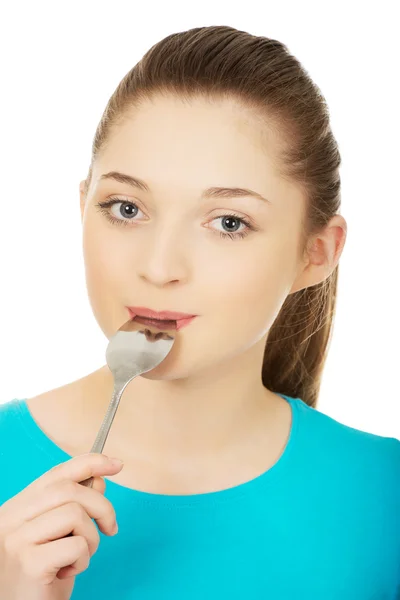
[56,489]
[41,563]
[81,467]
[96,505]
[56,524]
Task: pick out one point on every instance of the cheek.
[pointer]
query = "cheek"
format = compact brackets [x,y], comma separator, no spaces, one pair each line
[101,256]
[94,257]
[248,294]
[101,264]
[240,285]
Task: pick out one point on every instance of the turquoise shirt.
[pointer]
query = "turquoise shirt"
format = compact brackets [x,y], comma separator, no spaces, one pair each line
[322,524]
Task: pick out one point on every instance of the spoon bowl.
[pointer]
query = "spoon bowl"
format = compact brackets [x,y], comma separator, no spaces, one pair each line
[136,349]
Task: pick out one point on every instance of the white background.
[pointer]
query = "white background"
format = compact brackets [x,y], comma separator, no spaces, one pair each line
[60,62]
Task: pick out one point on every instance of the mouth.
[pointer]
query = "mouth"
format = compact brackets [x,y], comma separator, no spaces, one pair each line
[160,320]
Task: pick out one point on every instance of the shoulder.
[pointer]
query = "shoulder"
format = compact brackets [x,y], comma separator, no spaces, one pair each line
[323,424]
[11,412]
[50,411]
[361,454]
[29,430]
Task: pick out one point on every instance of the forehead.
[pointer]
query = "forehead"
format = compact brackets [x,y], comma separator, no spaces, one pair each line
[185,146]
[200,130]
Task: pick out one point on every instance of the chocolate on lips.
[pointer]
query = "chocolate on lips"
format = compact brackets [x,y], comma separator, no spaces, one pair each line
[161,323]
[162,319]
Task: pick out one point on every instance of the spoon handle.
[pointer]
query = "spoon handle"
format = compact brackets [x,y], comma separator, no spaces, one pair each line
[105,427]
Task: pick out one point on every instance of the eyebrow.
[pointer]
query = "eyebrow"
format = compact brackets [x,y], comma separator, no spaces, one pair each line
[212,192]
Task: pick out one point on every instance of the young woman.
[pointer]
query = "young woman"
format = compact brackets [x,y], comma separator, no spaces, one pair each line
[213,191]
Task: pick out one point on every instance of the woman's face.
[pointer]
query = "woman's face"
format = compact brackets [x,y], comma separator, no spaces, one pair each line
[175,247]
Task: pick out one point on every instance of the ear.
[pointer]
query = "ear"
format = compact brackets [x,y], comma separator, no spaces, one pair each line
[82,197]
[324,253]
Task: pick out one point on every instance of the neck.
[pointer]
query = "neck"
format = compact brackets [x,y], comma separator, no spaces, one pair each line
[203,415]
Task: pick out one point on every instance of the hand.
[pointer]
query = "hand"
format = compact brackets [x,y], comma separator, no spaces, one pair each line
[38,560]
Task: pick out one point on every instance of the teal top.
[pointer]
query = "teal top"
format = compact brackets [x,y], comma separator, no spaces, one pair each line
[323,523]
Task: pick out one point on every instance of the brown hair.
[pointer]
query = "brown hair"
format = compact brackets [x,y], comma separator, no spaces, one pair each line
[221,61]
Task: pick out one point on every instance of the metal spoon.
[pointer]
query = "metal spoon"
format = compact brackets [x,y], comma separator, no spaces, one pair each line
[133,350]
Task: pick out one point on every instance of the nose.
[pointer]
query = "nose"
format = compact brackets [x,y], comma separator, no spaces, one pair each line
[164,258]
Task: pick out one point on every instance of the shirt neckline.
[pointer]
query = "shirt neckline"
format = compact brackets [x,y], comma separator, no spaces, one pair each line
[269,477]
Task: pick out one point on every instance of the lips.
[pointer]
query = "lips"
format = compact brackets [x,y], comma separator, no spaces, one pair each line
[164,315]
[163,320]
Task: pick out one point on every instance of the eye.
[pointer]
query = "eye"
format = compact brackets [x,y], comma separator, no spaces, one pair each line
[126,210]
[227,221]
[118,212]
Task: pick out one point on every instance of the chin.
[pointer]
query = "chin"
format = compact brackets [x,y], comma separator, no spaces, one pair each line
[167,370]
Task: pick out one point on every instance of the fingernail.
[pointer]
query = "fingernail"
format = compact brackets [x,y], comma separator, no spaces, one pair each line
[116,462]
[115,530]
